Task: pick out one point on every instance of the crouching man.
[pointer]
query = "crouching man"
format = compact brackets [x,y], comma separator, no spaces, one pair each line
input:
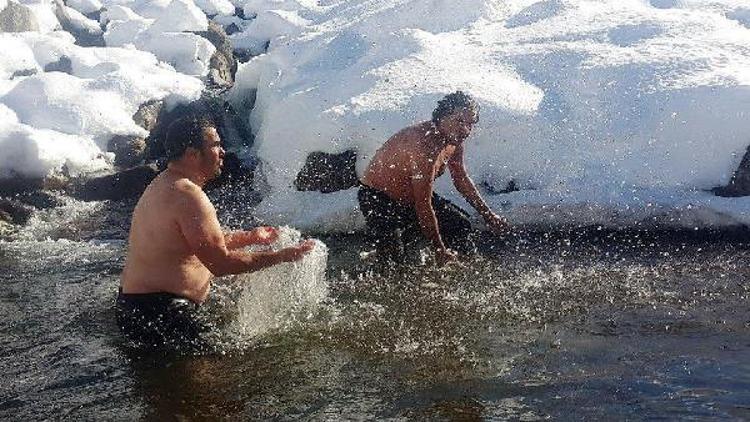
[396,196]
[176,245]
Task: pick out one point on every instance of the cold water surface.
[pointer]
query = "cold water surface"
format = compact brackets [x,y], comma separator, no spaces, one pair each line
[566,326]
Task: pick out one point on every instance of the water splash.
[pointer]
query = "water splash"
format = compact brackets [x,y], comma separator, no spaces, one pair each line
[276,297]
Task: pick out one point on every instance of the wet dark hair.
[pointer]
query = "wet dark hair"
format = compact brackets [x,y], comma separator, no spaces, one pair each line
[451,103]
[184,133]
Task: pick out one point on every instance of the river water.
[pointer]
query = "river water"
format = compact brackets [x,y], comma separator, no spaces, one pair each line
[585,324]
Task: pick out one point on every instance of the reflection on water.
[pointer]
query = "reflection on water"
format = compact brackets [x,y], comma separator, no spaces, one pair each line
[577,325]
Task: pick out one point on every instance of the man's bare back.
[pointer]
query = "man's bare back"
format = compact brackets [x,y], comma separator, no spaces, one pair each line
[159,259]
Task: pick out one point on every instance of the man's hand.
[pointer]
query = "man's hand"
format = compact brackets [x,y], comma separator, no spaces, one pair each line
[497,224]
[444,256]
[295,253]
[262,235]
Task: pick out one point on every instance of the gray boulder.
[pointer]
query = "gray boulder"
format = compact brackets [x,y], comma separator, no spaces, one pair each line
[223,65]
[17,18]
[129,150]
[148,114]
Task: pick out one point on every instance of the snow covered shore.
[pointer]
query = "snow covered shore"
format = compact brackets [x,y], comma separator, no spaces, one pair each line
[600,112]
[617,113]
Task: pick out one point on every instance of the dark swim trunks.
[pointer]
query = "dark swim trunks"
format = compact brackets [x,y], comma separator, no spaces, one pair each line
[161,320]
[392,222]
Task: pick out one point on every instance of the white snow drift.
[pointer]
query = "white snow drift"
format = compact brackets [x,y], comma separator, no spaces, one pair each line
[620,111]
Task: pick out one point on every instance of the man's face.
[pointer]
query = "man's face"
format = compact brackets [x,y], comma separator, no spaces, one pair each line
[457,125]
[211,157]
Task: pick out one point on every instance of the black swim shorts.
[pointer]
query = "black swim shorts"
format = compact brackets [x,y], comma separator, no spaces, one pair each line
[385,215]
[161,320]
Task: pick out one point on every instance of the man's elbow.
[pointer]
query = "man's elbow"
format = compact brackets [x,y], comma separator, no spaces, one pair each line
[218,265]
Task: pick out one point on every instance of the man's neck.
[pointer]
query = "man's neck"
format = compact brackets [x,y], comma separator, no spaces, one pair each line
[180,170]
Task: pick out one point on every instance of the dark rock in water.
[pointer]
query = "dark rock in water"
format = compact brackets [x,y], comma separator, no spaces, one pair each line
[327,173]
[148,114]
[230,125]
[122,185]
[18,184]
[13,211]
[739,185]
[129,150]
[223,65]
[83,36]
[17,18]
[23,72]
[61,65]
[40,199]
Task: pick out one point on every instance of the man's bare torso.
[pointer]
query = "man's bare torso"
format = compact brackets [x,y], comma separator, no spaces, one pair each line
[398,162]
[159,259]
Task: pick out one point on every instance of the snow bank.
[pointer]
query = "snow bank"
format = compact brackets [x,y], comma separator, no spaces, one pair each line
[164,29]
[583,102]
[61,120]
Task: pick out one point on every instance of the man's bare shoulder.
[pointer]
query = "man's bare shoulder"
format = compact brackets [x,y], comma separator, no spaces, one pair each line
[415,132]
[189,194]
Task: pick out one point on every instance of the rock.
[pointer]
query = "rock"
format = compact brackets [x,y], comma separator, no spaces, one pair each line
[17,184]
[220,73]
[86,32]
[40,199]
[223,65]
[493,190]
[17,18]
[327,173]
[13,211]
[148,114]
[118,186]
[62,65]
[56,182]
[233,28]
[96,15]
[23,72]
[129,150]
[239,12]
[231,127]
[739,185]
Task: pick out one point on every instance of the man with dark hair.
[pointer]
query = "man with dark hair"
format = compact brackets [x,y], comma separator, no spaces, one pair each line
[176,244]
[397,195]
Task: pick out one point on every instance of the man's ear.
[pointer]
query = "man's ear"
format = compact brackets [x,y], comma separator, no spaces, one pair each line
[192,152]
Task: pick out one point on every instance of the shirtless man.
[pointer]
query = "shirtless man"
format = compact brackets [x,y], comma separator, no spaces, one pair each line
[397,187]
[176,244]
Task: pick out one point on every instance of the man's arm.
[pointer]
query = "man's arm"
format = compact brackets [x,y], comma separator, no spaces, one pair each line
[465,186]
[257,236]
[201,230]
[421,183]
